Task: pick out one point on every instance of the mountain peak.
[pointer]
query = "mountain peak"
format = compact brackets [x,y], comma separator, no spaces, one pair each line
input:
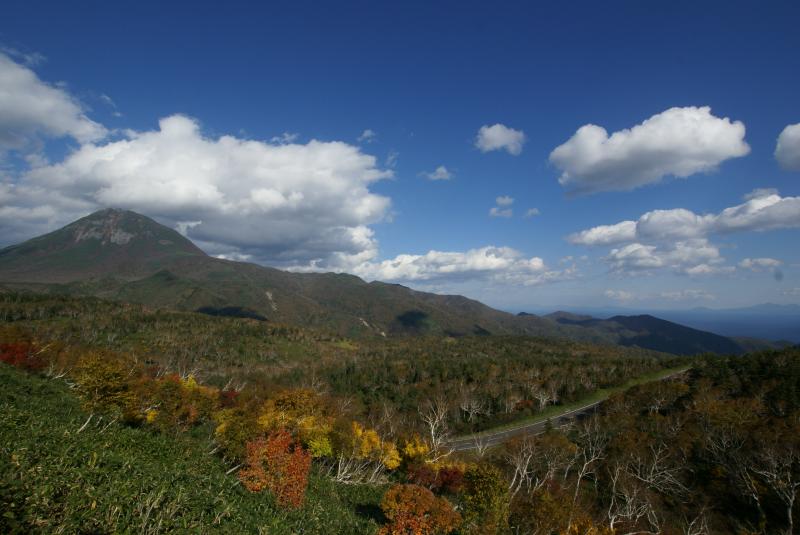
[110,226]
[110,241]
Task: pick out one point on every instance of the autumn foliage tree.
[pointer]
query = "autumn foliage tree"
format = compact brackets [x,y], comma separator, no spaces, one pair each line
[278,464]
[486,500]
[174,403]
[304,414]
[414,510]
[103,383]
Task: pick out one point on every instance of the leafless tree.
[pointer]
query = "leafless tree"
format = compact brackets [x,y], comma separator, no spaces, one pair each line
[434,416]
[657,472]
[542,396]
[591,449]
[698,525]
[389,420]
[778,467]
[521,458]
[471,403]
[481,445]
[533,466]
[629,504]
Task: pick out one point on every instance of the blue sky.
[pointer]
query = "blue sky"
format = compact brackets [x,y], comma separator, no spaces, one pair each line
[718,83]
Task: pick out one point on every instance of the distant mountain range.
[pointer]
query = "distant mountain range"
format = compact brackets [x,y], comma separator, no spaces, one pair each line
[766,321]
[653,333]
[126,256]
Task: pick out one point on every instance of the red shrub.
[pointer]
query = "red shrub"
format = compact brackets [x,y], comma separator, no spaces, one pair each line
[227,398]
[278,464]
[525,404]
[450,479]
[422,475]
[21,355]
[446,479]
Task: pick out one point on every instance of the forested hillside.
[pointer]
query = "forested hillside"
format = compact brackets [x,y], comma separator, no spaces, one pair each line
[94,390]
[486,380]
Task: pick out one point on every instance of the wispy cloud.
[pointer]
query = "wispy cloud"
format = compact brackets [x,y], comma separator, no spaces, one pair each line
[503,207]
[440,173]
[285,138]
[367,136]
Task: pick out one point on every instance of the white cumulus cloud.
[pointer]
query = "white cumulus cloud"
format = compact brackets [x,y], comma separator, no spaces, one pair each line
[31,108]
[787,152]
[502,265]
[678,238]
[621,232]
[677,142]
[281,204]
[692,257]
[763,210]
[500,137]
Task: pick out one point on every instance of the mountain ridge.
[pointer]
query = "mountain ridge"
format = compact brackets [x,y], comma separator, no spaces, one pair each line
[122,255]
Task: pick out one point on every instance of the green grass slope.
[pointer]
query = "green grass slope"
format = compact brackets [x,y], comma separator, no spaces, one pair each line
[55,479]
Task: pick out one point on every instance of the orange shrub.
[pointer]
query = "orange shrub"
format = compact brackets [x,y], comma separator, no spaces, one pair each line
[279,464]
[414,510]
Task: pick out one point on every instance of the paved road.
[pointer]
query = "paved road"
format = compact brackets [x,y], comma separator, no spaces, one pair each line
[473,442]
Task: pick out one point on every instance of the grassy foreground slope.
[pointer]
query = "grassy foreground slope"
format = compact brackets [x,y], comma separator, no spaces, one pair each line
[116,479]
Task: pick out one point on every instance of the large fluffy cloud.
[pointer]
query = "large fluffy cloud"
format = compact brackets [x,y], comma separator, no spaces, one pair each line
[500,137]
[280,203]
[678,142]
[303,206]
[678,238]
[787,152]
[30,108]
[495,264]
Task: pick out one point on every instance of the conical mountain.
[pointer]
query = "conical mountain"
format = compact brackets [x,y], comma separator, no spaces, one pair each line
[109,242]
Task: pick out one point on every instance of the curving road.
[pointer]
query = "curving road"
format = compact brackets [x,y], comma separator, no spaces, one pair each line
[489,439]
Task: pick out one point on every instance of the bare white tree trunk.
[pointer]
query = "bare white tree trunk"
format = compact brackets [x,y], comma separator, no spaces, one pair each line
[434,416]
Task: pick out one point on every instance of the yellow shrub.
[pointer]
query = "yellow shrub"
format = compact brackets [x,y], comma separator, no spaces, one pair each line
[415,448]
[391,457]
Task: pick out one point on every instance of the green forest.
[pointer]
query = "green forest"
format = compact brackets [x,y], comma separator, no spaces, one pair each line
[121,418]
